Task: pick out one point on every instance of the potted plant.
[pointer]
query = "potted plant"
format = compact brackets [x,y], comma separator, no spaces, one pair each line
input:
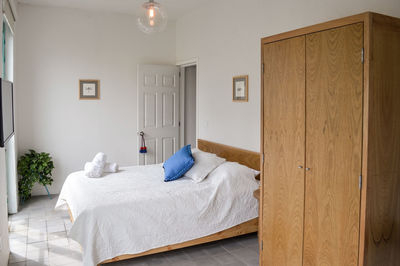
[34,168]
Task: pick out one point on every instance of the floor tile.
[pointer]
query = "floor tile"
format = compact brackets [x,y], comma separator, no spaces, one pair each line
[248,242]
[64,259]
[17,242]
[231,245]
[210,261]
[216,249]
[19,251]
[252,262]
[20,234]
[226,259]
[38,245]
[23,221]
[245,255]
[38,262]
[238,263]
[157,259]
[33,231]
[55,228]
[19,216]
[73,245]
[196,252]
[33,220]
[22,263]
[60,242]
[177,256]
[37,237]
[37,214]
[18,227]
[38,255]
[56,235]
[55,222]
[15,257]
[37,224]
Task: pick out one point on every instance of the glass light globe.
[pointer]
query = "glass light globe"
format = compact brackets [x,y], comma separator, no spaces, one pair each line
[152,18]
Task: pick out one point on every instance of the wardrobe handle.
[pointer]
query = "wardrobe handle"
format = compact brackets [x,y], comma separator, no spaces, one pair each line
[300,167]
[308,169]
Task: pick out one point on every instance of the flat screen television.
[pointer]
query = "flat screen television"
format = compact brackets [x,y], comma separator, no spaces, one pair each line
[6,111]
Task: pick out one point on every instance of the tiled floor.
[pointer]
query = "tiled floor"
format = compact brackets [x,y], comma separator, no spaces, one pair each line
[39,236]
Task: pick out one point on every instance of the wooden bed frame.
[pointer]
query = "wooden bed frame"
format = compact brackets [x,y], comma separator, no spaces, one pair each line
[245,157]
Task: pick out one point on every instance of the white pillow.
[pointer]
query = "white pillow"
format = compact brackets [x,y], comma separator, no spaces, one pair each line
[234,170]
[204,163]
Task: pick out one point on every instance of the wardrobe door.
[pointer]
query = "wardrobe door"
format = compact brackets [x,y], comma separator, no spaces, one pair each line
[283,147]
[334,93]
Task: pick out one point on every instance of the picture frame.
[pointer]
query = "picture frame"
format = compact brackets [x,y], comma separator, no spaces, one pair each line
[240,90]
[89,89]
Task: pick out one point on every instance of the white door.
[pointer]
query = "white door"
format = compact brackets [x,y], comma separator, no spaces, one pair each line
[158,114]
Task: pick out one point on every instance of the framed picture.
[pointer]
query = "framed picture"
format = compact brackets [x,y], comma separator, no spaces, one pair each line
[89,89]
[241,88]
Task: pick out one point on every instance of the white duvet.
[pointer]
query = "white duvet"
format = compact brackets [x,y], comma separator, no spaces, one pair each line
[134,210]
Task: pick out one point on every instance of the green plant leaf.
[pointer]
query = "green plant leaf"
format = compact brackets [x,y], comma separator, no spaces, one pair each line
[33,168]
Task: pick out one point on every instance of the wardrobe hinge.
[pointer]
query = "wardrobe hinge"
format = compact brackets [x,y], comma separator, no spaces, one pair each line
[262,158]
[262,67]
[179,74]
[262,246]
[360,182]
[362,55]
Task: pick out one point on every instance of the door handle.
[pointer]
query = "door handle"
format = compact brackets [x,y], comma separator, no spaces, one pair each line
[300,167]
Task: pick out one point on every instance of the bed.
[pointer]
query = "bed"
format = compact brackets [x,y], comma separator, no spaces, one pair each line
[134,213]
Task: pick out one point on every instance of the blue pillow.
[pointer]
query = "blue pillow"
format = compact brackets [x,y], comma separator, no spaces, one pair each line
[178,164]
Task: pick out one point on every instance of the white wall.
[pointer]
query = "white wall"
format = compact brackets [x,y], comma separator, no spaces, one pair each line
[11,173]
[55,48]
[225,37]
[4,245]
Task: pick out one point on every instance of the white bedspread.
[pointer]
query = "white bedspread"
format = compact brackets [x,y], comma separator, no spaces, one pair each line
[134,210]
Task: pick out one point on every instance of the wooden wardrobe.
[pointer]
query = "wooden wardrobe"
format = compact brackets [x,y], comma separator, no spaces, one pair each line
[330,140]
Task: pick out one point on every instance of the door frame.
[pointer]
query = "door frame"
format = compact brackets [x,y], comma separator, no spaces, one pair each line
[182,65]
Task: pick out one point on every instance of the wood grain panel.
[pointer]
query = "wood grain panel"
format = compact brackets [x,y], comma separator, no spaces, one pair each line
[283,140]
[367,57]
[334,97]
[318,27]
[382,233]
[249,158]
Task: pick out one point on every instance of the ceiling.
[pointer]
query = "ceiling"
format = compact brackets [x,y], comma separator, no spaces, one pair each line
[174,8]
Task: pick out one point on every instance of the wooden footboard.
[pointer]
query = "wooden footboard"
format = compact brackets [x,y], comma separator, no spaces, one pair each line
[70,215]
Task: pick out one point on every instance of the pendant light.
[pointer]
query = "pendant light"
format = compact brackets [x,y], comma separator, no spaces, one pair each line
[152,18]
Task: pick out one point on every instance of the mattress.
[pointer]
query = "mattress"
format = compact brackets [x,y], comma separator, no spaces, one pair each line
[134,210]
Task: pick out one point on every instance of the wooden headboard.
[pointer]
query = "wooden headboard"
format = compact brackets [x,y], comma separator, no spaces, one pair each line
[249,158]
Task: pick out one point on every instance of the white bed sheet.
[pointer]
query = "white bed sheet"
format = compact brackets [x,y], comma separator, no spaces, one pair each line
[134,210]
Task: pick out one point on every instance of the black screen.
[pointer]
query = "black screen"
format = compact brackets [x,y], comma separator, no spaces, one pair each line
[7,112]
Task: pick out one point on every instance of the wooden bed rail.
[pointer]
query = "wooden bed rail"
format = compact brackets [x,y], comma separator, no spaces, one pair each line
[249,158]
